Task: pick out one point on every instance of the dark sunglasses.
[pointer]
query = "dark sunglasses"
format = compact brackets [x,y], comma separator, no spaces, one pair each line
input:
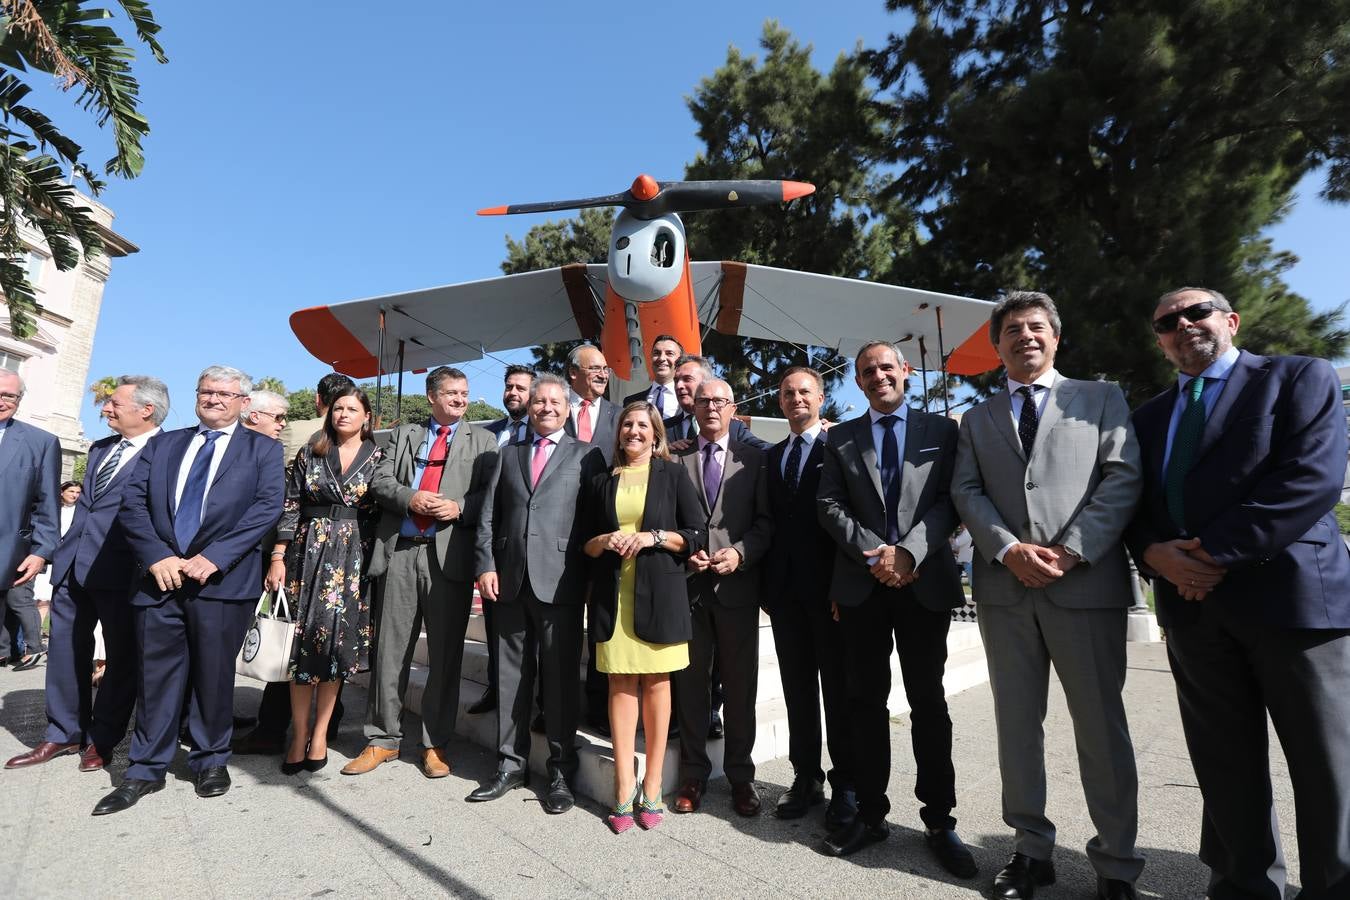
[1195,313]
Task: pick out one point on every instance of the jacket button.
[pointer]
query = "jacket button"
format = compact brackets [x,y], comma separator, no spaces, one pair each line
[1031,485]
[533,506]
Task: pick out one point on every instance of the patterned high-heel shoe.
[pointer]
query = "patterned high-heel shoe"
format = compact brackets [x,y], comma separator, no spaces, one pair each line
[621,818]
[650,813]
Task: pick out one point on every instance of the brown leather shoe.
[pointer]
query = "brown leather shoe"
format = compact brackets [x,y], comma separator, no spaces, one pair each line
[434,763]
[90,760]
[745,798]
[368,760]
[690,796]
[40,754]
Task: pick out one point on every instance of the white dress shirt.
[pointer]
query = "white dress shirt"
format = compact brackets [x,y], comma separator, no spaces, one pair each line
[509,433]
[669,406]
[217,454]
[808,439]
[134,446]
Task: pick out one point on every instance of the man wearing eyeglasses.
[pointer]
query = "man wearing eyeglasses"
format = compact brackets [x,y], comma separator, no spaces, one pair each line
[593,419]
[431,485]
[195,510]
[1244,460]
[266,413]
[30,476]
[1047,477]
[724,595]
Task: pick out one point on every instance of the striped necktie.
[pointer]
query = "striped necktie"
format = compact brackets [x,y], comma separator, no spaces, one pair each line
[109,468]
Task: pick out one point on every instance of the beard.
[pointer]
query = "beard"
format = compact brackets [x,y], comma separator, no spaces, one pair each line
[1200,353]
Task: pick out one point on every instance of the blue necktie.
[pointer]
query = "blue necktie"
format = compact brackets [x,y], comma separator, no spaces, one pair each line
[188,518]
[792,469]
[1028,423]
[660,400]
[890,477]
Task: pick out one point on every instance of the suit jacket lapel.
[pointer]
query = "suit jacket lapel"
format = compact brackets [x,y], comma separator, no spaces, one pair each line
[170,472]
[1247,371]
[9,444]
[731,464]
[1061,395]
[1156,418]
[867,451]
[406,442]
[916,434]
[692,461]
[999,408]
[554,461]
[233,450]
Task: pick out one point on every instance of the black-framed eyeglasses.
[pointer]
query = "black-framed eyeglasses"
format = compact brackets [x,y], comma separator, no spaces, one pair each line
[714,402]
[280,418]
[222,395]
[11,399]
[1194,313]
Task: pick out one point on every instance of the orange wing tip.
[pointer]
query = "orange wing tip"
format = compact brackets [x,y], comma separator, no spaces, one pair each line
[494,211]
[794,189]
[645,187]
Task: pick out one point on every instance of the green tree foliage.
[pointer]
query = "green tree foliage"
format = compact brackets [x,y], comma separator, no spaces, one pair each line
[415,407]
[102,389]
[65,39]
[1105,153]
[480,411]
[301,404]
[271,383]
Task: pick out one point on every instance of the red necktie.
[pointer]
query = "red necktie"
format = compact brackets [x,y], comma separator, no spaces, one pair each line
[431,475]
[584,422]
[540,460]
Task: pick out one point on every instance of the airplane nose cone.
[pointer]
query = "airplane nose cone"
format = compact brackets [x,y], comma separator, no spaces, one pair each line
[645,187]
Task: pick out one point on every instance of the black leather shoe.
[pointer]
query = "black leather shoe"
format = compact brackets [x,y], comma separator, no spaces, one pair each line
[1021,876]
[951,853]
[126,795]
[559,798]
[484,704]
[499,785]
[242,722]
[843,809]
[31,662]
[715,729]
[806,792]
[1115,889]
[213,781]
[854,836]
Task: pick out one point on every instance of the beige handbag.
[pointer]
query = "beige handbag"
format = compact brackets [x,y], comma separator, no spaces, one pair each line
[266,653]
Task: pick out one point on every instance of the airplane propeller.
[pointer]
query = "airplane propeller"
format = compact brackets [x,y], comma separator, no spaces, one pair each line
[649,198]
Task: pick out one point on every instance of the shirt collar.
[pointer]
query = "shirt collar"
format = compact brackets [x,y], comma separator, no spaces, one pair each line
[721,442]
[226,431]
[574,399]
[1215,371]
[143,438]
[809,436]
[1046,381]
[555,437]
[433,426]
[901,413]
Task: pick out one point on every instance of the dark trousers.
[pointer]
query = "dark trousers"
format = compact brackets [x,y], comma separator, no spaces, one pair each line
[74,714]
[490,629]
[21,627]
[810,653]
[731,636]
[543,640]
[182,640]
[920,636]
[1230,673]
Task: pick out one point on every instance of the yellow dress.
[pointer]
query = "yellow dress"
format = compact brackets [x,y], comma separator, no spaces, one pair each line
[625,653]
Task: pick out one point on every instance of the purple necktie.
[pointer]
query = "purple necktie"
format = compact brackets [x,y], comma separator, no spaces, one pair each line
[712,474]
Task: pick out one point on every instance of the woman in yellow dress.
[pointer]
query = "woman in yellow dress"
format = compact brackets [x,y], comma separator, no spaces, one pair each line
[645,519]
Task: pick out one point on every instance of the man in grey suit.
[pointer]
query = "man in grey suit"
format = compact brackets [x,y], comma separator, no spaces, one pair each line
[431,485]
[884,499]
[593,419]
[530,564]
[732,482]
[1047,477]
[30,477]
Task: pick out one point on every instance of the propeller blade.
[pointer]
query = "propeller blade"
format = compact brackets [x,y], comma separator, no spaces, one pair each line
[649,198]
[517,208]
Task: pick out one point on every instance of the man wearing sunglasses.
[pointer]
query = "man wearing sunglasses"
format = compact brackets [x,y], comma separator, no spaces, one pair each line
[1244,459]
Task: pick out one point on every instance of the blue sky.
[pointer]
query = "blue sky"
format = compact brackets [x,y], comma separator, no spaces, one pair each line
[308,153]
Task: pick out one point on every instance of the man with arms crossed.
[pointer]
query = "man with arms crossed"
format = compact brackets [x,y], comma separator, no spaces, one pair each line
[1047,477]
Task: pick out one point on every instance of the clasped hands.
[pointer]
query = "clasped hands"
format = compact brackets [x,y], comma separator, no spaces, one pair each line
[1036,566]
[426,503]
[628,543]
[1187,565]
[170,571]
[722,562]
[894,566]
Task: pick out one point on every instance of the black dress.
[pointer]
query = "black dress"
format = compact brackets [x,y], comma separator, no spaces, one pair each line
[330,520]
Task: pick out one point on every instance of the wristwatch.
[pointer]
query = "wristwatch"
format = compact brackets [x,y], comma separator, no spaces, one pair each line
[1074,553]
[659,536]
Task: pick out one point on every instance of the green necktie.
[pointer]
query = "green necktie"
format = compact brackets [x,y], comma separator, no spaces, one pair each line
[1184,444]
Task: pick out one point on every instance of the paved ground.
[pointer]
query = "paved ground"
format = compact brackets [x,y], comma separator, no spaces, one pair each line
[393,833]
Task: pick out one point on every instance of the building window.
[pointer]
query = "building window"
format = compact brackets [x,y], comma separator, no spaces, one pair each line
[11,361]
[33,265]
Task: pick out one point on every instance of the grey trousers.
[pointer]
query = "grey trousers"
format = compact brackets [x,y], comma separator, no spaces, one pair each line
[1230,672]
[732,635]
[19,609]
[413,590]
[1087,647]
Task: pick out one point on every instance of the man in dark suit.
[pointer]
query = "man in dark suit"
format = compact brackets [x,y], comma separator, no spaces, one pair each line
[1244,460]
[530,563]
[1047,477]
[93,572]
[884,498]
[593,419]
[30,476]
[430,485]
[512,428]
[796,595]
[724,592]
[666,352]
[194,510]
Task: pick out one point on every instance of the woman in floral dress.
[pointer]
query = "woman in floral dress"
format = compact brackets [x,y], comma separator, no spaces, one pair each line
[323,549]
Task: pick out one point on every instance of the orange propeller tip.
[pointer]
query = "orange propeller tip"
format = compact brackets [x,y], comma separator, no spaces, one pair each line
[498,210]
[794,189]
[645,187]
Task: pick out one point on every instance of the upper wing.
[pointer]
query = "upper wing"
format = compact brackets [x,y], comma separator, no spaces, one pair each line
[455,323]
[843,313]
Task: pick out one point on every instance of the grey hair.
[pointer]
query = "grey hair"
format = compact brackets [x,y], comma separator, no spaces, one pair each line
[576,353]
[149,391]
[1219,300]
[700,361]
[227,373]
[895,348]
[709,382]
[264,401]
[544,378]
[23,386]
[1018,301]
